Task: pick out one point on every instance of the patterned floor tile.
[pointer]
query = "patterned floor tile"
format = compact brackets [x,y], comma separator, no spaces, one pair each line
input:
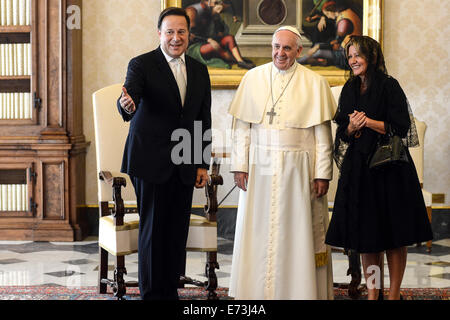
[36,263]
[31,247]
[51,284]
[11,261]
[65,273]
[441,276]
[219,274]
[78,262]
[111,267]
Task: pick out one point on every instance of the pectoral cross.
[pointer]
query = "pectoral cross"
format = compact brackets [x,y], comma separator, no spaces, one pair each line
[272,113]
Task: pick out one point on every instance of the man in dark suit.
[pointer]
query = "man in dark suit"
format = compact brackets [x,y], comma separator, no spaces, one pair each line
[166,94]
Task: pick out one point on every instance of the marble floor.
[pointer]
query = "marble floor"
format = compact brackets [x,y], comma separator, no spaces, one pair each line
[24,263]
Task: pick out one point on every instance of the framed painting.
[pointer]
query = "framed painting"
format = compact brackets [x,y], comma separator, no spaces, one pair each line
[233,36]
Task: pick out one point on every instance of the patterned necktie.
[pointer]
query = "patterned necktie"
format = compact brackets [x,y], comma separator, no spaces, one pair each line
[179,77]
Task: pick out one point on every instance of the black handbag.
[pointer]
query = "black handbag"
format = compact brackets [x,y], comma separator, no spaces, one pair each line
[389,151]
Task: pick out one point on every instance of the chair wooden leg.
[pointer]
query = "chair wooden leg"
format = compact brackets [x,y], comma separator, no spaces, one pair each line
[354,269]
[429,243]
[119,287]
[210,272]
[103,254]
[182,282]
[103,270]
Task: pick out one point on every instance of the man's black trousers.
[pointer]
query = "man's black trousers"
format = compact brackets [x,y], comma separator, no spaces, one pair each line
[164,213]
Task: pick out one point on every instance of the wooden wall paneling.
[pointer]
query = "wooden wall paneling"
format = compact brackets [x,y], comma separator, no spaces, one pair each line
[53,142]
[53,203]
[74,125]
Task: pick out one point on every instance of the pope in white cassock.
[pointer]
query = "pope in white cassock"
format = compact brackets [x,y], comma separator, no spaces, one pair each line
[282,161]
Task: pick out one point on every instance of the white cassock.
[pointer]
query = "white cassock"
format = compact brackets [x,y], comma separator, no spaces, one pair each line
[279,249]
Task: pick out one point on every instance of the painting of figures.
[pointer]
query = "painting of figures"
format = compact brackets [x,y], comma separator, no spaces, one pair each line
[329,25]
[233,36]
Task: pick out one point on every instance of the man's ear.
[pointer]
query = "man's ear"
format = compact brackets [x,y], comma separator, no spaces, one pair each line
[299,51]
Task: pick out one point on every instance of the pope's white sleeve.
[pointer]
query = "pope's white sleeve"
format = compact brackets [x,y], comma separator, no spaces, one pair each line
[324,149]
[240,146]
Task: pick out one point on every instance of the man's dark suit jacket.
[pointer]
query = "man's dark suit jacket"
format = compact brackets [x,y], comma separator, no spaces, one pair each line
[153,88]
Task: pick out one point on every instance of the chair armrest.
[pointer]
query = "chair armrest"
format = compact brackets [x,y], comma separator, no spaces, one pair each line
[112,180]
[116,184]
[215,180]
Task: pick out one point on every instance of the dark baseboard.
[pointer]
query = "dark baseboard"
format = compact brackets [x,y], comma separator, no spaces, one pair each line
[440,221]
[226,222]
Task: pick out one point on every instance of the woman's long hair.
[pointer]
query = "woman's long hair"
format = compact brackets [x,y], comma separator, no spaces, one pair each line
[370,50]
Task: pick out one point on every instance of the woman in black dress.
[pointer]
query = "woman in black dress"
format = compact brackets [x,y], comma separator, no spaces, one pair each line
[375,210]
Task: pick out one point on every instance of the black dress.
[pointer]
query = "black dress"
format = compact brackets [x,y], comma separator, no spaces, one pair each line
[376,209]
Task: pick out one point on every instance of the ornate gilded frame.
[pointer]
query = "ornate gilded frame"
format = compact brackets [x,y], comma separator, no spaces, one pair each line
[372,26]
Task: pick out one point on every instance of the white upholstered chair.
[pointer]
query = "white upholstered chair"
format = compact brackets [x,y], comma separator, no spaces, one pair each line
[417,155]
[119,220]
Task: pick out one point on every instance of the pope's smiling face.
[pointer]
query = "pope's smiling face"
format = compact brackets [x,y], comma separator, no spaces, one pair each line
[285,49]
